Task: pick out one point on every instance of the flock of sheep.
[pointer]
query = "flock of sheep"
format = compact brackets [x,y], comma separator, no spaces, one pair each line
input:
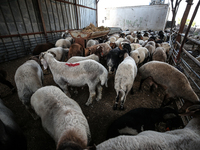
[142,53]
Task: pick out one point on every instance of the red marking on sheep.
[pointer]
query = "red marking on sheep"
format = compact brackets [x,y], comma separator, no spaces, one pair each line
[72,65]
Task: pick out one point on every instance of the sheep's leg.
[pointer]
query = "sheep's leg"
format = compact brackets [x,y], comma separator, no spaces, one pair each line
[92,95]
[99,90]
[64,87]
[123,99]
[140,87]
[116,101]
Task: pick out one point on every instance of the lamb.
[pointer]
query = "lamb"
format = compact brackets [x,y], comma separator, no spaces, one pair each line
[79,58]
[42,48]
[71,39]
[28,78]
[11,136]
[124,78]
[61,53]
[64,43]
[3,75]
[91,43]
[140,55]
[62,118]
[72,74]
[119,41]
[141,119]
[76,50]
[159,54]
[171,79]
[186,138]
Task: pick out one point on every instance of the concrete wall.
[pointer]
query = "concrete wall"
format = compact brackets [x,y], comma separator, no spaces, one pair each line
[136,17]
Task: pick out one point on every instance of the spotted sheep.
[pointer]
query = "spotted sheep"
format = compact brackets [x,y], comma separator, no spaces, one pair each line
[72,74]
[124,79]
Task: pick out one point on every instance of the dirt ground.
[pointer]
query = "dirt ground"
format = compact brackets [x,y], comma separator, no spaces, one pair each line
[99,114]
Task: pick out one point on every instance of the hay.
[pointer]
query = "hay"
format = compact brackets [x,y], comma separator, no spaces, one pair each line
[91,28]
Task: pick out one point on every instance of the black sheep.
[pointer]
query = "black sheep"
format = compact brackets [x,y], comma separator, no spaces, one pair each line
[141,119]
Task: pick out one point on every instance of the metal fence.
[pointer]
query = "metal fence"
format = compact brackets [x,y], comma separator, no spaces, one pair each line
[26,23]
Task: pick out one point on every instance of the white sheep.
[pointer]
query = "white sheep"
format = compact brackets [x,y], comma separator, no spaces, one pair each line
[187,138]
[166,46]
[61,53]
[28,78]
[62,118]
[64,43]
[124,78]
[87,72]
[80,58]
[139,55]
[118,42]
[112,39]
[91,42]
[134,46]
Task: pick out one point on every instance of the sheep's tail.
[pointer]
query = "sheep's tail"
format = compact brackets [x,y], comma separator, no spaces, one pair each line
[104,78]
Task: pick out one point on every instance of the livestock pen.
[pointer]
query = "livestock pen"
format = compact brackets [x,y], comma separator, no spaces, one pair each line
[27,23]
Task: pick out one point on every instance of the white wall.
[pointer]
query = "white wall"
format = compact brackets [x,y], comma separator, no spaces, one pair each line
[135,17]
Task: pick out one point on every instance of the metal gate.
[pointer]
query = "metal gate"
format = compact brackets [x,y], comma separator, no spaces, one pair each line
[26,23]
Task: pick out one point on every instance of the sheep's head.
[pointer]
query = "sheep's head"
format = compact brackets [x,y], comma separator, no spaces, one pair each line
[42,58]
[113,45]
[99,51]
[87,51]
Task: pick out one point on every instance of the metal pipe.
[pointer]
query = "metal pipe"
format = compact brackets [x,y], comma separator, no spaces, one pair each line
[76,7]
[184,18]
[189,55]
[191,21]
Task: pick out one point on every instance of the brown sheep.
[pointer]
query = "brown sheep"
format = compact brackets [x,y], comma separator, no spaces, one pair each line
[100,50]
[75,50]
[159,54]
[42,48]
[171,79]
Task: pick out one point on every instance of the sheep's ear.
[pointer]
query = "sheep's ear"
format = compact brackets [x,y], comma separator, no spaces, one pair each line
[54,55]
[44,63]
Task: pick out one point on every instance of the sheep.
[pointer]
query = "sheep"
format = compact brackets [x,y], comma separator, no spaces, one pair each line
[141,119]
[131,39]
[112,39]
[42,48]
[159,54]
[124,78]
[100,50]
[76,50]
[79,58]
[151,47]
[140,55]
[171,79]
[72,74]
[166,47]
[119,41]
[62,118]
[134,46]
[64,43]
[71,39]
[28,78]
[3,75]
[186,138]
[61,53]
[114,58]
[91,43]
[11,136]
